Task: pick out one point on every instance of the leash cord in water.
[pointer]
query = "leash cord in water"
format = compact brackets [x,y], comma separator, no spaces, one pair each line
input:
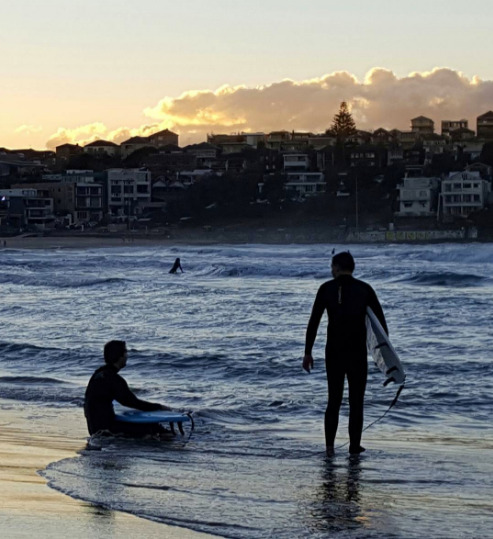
[192,426]
[392,404]
[180,427]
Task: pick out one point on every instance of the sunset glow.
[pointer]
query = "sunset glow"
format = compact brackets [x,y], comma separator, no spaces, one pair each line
[80,71]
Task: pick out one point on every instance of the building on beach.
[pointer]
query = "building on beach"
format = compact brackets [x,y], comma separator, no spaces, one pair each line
[463,193]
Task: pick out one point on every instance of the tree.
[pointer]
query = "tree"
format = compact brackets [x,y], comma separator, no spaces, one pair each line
[343,125]
[342,128]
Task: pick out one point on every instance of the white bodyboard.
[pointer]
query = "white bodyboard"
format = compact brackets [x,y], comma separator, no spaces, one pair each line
[382,351]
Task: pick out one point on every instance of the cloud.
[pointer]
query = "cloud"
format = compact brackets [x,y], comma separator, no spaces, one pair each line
[29,129]
[96,131]
[382,99]
[80,135]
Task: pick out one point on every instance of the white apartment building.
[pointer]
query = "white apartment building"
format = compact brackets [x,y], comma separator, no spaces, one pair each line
[463,192]
[418,197]
[305,183]
[128,189]
[88,202]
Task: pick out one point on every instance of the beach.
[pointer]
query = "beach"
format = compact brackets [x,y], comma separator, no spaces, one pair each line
[224,339]
[28,507]
[228,234]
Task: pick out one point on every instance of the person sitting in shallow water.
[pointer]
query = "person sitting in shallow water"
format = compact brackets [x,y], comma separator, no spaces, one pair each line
[106,386]
[176,266]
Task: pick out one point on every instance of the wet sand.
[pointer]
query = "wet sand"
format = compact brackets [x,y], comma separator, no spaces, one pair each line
[29,508]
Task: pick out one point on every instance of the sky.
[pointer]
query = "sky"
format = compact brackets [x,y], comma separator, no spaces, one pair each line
[76,71]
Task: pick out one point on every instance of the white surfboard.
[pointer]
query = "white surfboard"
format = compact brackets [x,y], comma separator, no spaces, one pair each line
[384,354]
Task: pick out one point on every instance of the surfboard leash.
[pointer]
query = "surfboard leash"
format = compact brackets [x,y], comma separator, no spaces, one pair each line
[192,426]
[180,427]
[392,404]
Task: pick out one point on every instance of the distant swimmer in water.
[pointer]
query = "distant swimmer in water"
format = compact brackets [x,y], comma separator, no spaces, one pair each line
[176,266]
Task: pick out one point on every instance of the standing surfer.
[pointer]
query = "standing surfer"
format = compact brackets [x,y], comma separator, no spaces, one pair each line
[345,299]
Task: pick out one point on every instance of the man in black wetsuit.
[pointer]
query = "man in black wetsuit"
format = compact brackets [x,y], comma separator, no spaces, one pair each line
[345,299]
[105,386]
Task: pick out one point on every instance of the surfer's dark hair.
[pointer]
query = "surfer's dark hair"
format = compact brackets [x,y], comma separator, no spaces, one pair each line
[113,351]
[344,261]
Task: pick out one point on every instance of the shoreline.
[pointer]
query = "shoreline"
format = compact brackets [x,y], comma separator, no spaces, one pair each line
[30,508]
[281,236]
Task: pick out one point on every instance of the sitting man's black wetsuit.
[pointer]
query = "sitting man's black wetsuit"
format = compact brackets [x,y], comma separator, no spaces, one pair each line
[105,386]
[345,299]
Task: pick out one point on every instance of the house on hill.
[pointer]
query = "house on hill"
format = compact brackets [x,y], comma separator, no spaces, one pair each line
[484,125]
[163,138]
[156,140]
[448,126]
[422,125]
[133,144]
[463,133]
[205,154]
[101,147]
[65,152]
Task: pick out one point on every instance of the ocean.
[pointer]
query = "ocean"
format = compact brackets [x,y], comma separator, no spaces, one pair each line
[225,340]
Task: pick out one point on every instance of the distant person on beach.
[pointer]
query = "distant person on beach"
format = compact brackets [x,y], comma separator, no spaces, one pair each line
[345,299]
[176,266]
[106,386]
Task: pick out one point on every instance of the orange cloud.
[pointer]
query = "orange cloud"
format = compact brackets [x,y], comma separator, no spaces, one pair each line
[29,129]
[381,100]
[79,135]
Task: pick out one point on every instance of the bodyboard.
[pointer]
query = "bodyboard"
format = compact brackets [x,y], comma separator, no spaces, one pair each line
[382,351]
[158,416]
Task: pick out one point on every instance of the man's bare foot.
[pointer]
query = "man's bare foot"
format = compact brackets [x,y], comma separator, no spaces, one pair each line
[330,451]
[356,450]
